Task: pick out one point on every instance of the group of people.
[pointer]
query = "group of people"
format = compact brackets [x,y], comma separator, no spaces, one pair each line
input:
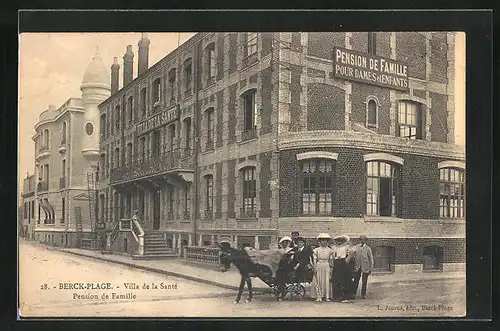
[336,265]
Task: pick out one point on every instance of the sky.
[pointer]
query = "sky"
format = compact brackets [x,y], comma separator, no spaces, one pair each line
[51,68]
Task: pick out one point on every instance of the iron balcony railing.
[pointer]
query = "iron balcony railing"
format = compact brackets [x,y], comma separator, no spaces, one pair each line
[177,159]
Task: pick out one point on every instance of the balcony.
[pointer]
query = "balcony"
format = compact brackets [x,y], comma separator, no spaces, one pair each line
[42,186]
[43,151]
[246,213]
[178,159]
[62,146]
[249,60]
[62,182]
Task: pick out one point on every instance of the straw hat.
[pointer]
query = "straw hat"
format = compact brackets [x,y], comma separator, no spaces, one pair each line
[342,239]
[285,238]
[323,236]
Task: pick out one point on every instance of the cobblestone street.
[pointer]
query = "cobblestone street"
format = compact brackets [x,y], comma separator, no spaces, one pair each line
[183,298]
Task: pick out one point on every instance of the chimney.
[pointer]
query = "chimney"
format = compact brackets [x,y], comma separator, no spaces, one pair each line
[115,76]
[143,54]
[128,66]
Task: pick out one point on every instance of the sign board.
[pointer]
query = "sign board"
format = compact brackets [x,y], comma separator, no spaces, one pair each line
[158,120]
[370,69]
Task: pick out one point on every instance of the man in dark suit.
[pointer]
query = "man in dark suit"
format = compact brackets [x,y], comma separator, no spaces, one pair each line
[363,265]
[295,235]
[303,259]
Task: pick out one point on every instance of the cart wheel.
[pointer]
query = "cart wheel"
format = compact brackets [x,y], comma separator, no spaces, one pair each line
[297,291]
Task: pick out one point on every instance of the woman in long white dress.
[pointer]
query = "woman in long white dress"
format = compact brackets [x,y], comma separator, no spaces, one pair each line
[322,256]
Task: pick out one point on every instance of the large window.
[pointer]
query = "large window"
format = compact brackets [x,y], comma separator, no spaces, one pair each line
[187,201]
[187,132]
[103,126]
[63,212]
[171,137]
[117,158]
[143,149]
[210,125]
[129,153]
[372,43]
[209,195]
[250,43]
[117,118]
[171,84]
[143,101]
[211,64]
[249,191]
[63,134]
[317,187]
[156,92]
[382,187]
[188,72]
[155,143]
[130,109]
[452,190]
[410,120]
[249,110]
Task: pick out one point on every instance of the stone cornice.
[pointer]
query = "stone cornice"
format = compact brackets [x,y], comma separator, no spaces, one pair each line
[383,143]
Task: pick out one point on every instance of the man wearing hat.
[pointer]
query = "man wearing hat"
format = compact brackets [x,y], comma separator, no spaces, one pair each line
[363,265]
[302,259]
[295,235]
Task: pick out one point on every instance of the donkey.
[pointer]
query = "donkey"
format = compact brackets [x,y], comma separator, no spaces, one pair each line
[247,270]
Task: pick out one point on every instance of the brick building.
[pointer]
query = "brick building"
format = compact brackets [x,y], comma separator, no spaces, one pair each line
[253,135]
[66,152]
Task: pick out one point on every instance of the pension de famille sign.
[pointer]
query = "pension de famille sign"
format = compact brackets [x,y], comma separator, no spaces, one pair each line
[370,69]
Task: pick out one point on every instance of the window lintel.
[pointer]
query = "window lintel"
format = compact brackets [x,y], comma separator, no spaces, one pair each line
[317,155]
[383,157]
[247,164]
[451,164]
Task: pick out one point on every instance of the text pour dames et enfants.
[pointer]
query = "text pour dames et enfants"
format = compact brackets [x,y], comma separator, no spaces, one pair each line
[370,69]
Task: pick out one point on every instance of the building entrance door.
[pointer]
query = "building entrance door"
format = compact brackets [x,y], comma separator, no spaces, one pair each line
[156,210]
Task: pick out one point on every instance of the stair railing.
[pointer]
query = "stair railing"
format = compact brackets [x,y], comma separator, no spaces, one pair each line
[112,236]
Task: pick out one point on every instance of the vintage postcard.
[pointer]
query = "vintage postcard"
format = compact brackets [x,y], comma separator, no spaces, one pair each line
[258,174]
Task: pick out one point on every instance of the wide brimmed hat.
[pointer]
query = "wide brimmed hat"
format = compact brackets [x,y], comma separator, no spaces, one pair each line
[323,236]
[285,238]
[226,240]
[342,239]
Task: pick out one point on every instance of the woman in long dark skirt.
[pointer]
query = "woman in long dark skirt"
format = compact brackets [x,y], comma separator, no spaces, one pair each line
[342,273]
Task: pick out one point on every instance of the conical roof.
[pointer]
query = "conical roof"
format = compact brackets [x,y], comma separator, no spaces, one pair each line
[96,72]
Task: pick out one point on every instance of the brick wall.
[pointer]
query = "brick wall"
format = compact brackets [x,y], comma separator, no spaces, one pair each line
[325,107]
[419,183]
[265,191]
[360,92]
[411,48]
[359,42]
[266,108]
[232,114]
[320,44]
[438,57]
[439,113]
[295,90]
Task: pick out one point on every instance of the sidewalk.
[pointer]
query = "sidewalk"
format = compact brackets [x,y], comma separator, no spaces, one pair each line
[231,279]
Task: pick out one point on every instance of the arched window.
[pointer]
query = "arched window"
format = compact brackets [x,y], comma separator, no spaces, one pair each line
[117,158]
[129,153]
[102,164]
[451,193]
[187,135]
[210,63]
[117,118]
[102,128]
[317,186]
[143,101]
[130,109]
[188,73]
[249,190]
[209,116]
[433,258]
[156,99]
[383,258]
[411,120]
[63,134]
[371,113]
[171,84]
[46,139]
[382,188]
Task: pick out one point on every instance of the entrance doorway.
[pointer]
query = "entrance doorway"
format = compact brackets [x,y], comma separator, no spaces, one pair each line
[156,210]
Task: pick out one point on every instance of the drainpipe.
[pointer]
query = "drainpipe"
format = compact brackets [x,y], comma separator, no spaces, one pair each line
[196,132]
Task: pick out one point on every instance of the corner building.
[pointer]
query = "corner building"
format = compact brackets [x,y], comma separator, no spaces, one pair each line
[254,135]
